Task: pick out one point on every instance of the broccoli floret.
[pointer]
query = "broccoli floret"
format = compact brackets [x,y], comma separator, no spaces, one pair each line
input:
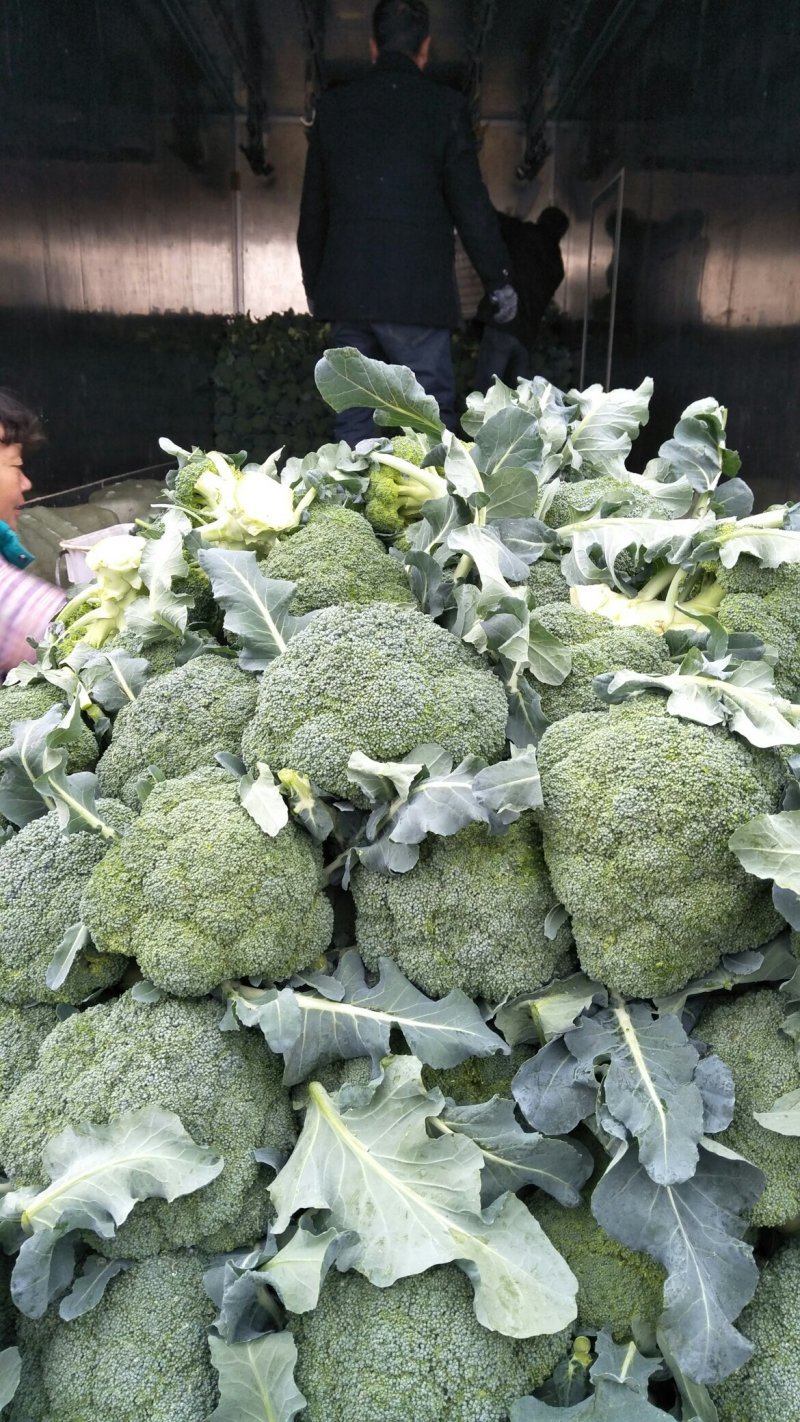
[355,1071]
[43,873]
[616,1286]
[546,583]
[470,915]
[398,487]
[766,601]
[141,1355]
[198,893]
[585,497]
[639,807]
[178,722]
[28,703]
[745,1031]
[378,679]
[478,1078]
[597,646]
[161,655]
[335,558]
[768,1386]
[22,1031]
[123,1055]
[415,1350]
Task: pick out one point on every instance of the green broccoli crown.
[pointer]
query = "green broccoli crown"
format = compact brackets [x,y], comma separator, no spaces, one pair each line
[597,646]
[184,491]
[378,679]
[546,583]
[766,601]
[616,1286]
[768,1386]
[586,496]
[161,655]
[745,1031]
[470,915]
[43,873]
[395,494]
[122,1055]
[141,1355]
[199,893]
[22,1031]
[639,807]
[335,558]
[28,703]
[477,1079]
[178,722]
[415,1350]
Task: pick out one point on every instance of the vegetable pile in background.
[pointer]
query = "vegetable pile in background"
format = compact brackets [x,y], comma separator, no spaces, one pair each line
[398,886]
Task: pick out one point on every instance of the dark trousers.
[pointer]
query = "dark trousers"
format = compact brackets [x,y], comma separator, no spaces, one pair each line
[424,349]
[500,353]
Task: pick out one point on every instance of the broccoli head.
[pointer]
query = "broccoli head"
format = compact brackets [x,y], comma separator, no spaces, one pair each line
[639,807]
[123,1055]
[766,601]
[415,1350]
[477,1079]
[597,646]
[378,679]
[585,497]
[198,893]
[141,1355]
[469,915]
[22,1031]
[28,703]
[178,722]
[398,487]
[616,1286]
[745,1030]
[546,583]
[43,873]
[161,655]
[335,558]
[768,1386]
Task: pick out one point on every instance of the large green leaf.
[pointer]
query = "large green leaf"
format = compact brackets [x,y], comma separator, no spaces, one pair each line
[514,1157]
[240,1284]
[256,1379]
[34,776]
[414,1202]
[769,848]
[743,698]
[696,1231]
[783,1117]
[608,538]
[342,1017]
[256,607]
[607,422]
[494,562]
[163,561]
[550,1012]
[697,450]
[10,1373]
[348,380]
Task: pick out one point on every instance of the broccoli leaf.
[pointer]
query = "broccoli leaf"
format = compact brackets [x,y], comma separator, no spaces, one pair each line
[414,1202]
[649,1085]
[549,1012]
[742,696]
[513,1157]
[773,964]
[772,546]
[606,423]
[695,1230]
[74,941]
[256,607]
[350,1019]
[112,679]
[670,539]
[10,1373]
[163,560]
[767,847]
[620,1376]
[256,1380]
[35,780]
[697,450]
[88,1289]
[494,561]
[348,380]
[554,1091]
[237,1284]
[510,450]
[263,801]
[784,1116]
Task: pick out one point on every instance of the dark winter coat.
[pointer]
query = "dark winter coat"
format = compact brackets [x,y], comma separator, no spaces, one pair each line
[391,170]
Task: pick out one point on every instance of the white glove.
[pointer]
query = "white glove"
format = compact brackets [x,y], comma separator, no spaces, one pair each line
[504,300]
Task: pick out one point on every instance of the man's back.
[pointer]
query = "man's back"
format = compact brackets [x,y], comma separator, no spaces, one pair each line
[391,170]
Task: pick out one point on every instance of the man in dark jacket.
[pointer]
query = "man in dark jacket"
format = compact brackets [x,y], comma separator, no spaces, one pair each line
[537,271]
[391,170]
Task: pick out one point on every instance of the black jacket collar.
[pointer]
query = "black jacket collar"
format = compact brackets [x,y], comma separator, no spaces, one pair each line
[395,61]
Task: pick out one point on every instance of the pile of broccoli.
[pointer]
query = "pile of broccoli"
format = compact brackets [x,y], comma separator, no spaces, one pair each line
[397,1019]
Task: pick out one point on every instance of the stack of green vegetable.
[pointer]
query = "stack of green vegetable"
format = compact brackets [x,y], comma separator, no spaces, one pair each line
[398,1010]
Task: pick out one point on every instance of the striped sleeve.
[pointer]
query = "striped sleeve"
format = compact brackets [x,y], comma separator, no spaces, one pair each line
[27,606]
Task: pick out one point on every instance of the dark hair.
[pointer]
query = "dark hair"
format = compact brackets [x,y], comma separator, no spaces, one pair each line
[400,25]
[19,423]
[554,221]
